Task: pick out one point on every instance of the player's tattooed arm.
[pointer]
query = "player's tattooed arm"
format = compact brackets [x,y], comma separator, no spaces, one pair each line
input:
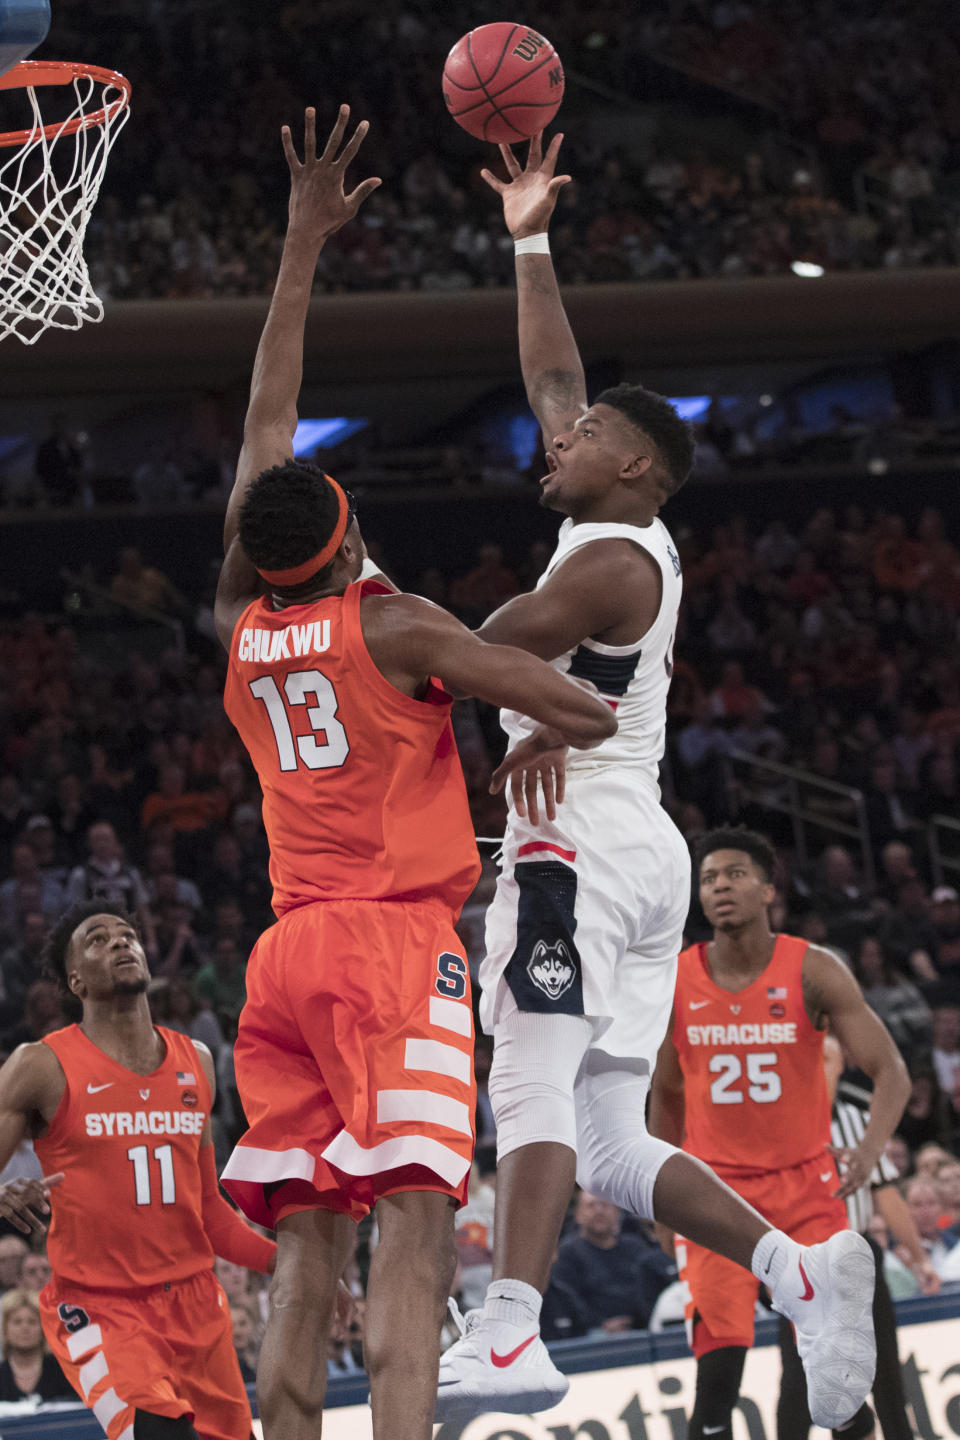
[549,358]
[31,1087]
[319,207]
[832,997]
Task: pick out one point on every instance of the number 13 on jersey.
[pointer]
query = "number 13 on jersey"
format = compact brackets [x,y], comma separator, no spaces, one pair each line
[327,747]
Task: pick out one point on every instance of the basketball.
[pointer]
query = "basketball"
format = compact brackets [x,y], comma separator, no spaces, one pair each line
[503,82]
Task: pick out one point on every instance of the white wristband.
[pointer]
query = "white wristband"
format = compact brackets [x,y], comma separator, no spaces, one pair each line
[533,244]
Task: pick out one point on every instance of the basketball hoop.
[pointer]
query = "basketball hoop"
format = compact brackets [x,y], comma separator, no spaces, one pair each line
[50,176]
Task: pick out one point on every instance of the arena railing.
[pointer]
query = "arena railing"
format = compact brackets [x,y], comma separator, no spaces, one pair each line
[808,800]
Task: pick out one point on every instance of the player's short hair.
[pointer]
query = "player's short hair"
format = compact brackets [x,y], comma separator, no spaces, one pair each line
[58,946]
[738,837]
[657,418]
[288,514]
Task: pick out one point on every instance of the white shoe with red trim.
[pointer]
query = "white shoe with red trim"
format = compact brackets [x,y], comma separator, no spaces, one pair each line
[496,1366]
[828,1294]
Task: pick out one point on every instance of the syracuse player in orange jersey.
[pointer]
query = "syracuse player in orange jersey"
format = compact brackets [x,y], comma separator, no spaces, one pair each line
[119,1110]
[354,1053]
[741,1076]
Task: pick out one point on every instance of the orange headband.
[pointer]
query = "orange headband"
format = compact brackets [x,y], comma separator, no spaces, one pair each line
[298,573]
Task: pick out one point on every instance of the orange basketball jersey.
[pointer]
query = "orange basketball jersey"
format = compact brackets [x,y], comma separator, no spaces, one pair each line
[363,795]
[128,1211]
[756,1095]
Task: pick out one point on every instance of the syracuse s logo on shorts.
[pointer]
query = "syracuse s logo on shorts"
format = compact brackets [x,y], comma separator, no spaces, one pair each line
[551,969]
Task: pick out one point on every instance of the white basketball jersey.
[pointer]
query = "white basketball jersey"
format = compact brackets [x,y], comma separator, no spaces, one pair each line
[633,679]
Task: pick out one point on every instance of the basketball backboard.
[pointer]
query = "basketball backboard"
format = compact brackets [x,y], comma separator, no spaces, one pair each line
[23,24]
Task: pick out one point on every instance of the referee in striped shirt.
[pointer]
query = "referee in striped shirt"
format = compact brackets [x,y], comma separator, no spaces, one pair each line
[851,1114]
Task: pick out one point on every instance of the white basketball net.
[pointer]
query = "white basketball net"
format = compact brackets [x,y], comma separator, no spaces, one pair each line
[48,188]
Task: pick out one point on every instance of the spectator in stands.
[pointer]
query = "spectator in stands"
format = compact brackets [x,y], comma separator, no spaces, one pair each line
[929,1159]
[27,892]
[245,1341]
[107,876]
[221,981]
[947,1184]
[841,898]
[946,1047]
[13,1248]
[14,814]
[897,1152]
[186,810]
[924,1205]
[21,964]
[926,1119]
[144,586]
[907,931]
[27,1368]
[616,1276]
[896,1000]
[888,817]
[35,1271]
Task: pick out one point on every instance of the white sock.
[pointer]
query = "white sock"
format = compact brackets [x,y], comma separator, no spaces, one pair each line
[774,1251]
[513,1301]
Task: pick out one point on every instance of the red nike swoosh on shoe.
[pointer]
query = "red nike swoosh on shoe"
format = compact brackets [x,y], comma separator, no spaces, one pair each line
[809,1292]
[501,1361]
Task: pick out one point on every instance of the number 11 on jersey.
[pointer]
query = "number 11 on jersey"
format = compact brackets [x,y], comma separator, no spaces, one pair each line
[139,1156]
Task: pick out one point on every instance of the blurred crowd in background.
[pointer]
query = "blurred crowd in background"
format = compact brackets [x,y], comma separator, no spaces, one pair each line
[706,139]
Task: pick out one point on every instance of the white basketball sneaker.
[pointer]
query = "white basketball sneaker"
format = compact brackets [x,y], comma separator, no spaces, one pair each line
[496,1366]
[828,1294]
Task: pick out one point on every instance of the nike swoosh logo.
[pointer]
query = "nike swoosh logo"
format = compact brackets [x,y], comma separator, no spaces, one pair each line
[713,1429]
[809,1291]
[95,1089]
[828,1176]
[698,1005]
[501,1361]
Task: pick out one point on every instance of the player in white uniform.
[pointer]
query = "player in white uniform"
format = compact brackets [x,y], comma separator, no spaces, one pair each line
[583,934]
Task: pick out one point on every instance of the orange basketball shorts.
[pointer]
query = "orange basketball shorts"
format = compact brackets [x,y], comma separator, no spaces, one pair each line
[721,1295]
[354,1060]
[166,1350]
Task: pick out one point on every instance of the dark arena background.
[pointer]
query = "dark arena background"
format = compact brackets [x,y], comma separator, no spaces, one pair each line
[763,225]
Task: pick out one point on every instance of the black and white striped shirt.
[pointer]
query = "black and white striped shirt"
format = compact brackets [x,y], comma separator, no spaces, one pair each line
[848,1125]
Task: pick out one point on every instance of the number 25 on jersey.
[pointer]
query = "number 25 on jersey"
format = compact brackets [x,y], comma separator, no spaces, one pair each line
[327,747]
[763,1078]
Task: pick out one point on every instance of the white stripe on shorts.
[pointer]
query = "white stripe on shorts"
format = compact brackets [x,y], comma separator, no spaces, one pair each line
[84,1341]
[441,1059]
[92,1373]
[344,1152]
[424,1105]
[248,1162]
[450,1015]
[107,1407]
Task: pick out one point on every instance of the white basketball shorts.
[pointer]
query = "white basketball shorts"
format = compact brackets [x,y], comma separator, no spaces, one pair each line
[589,912]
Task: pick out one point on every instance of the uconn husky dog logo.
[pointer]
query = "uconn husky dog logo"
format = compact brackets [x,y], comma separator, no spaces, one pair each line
[551,969]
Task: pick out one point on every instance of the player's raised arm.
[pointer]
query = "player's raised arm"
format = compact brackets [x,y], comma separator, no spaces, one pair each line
[319,207]
[31,1083]
[549,358]
[830,993]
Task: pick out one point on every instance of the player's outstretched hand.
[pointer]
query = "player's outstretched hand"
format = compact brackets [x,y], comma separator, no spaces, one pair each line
[530,194]
[24,1202]
[538,763]
[318,201]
